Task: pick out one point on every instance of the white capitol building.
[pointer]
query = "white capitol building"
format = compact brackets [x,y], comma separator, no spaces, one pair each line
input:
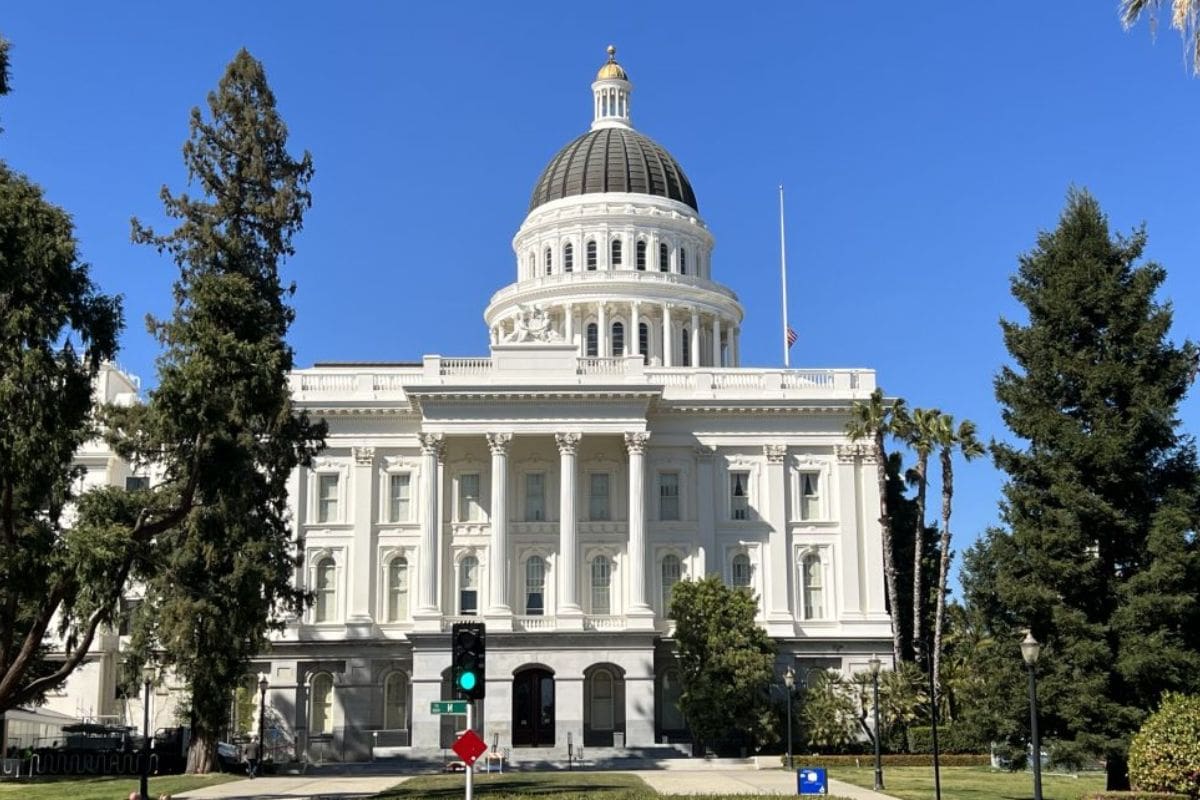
[609,446]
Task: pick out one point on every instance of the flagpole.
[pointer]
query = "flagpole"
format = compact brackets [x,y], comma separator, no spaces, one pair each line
[783,280]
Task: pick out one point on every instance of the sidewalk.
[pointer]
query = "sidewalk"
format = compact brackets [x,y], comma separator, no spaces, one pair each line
[780,782]
[331,787]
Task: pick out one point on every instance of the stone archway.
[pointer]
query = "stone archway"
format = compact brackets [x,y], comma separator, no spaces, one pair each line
[533,711]
[603,705]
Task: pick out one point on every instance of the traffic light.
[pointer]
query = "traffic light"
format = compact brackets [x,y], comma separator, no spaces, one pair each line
[467,667]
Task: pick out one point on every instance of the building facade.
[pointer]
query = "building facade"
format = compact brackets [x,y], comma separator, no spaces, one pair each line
[608,447]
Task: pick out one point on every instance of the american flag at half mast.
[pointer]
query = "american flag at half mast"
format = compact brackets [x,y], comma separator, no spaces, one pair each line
[791,336]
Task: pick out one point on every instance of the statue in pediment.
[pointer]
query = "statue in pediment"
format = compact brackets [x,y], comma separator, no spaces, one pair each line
[532,324]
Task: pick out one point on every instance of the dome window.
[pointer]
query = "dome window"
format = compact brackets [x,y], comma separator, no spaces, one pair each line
[682,261]
[618,339]
[644,341]
[593,340]
[549,260]
[591,255]
[686,349]
[664,258]
[641,256]
[568,257]
[616,252]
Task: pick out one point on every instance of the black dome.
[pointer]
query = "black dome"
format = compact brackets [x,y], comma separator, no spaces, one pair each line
[613,160]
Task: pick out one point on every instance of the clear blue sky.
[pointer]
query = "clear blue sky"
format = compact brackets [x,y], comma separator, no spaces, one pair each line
[923,146]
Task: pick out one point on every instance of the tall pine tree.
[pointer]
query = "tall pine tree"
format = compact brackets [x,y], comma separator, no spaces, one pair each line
[1099,555]
[222,413]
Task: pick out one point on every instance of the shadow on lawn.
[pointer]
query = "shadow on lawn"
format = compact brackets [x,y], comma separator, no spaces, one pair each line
[517,787]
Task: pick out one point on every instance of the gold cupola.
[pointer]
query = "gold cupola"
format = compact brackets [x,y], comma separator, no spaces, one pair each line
[610,95]
[611,69]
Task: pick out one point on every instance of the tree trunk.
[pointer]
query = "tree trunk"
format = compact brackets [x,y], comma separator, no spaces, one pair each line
[1116,770]
[889,566]
[202,752]
[944,568]
[919,550]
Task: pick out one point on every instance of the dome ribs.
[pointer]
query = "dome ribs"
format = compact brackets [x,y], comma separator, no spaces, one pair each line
[612,160]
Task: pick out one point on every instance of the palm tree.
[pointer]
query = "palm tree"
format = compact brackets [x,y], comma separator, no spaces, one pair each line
[1185,16]
[947,439]
[872,421]
[920,433]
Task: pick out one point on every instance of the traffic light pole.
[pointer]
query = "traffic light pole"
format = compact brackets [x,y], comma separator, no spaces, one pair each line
[470,767]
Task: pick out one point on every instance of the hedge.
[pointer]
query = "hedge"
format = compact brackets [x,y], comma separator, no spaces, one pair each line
[891,760]
[952,738]
[1134,796]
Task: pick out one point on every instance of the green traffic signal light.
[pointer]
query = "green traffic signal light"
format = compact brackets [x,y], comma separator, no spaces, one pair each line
[466,681]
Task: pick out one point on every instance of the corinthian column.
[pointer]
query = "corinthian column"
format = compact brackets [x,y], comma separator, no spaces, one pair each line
[635,443]
[498,551]
[432,447]
[568,544]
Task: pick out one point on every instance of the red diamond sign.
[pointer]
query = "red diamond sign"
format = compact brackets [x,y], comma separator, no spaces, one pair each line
[469,747]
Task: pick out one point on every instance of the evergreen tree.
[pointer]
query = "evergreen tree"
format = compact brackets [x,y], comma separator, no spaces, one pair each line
[726,663]
[221,418]
[56,329]
[1099,556]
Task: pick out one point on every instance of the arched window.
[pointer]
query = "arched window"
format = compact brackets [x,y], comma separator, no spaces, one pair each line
[601,585]
[686,348]
[535,586]
[320,705]
[682,261]
[641,257]
[395,702]
[664,258]
[568,257]
[602,700]
[549,260]
[810,568]
[616,253]
[644,341]
[325,605]
[398,589]
[741,571]
[468,586]
[618,339]
[591,255]
[593,340]
[671,571]
[532,262]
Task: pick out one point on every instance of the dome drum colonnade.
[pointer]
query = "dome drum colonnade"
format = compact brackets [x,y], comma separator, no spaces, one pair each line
[613,251]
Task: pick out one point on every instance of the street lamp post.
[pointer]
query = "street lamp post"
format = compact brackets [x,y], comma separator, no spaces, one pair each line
[1030,649]
[933,723]
[789,681]
[147,680]
[875,664]
[262,719]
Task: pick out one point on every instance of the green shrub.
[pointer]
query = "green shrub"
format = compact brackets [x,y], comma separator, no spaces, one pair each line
[952,738]
[1165,754]
[1134,796]
[1071,756]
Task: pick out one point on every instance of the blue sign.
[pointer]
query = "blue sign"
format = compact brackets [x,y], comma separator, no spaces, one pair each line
[811,780]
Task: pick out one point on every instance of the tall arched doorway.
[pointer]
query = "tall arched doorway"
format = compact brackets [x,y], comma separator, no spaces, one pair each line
[533,708]
[603,705]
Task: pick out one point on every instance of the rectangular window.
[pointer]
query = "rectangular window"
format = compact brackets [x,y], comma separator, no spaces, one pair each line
[810,495]
[598,497]
[468,586]
[739,495]
[668,496]
[400,497]
[814,606]
[601,585]
[535,497]
[535,586]
[469,509]
[327,498]
[135,483]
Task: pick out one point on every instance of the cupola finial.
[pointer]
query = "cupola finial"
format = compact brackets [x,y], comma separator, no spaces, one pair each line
[611,94]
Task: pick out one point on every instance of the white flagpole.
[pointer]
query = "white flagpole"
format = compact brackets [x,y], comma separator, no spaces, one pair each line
[783,279]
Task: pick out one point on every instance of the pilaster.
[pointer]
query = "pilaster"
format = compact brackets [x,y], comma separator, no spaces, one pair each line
[360,569]
[570,613]
[499,613]
[778,566]
[853,580]
[427,615]
[640,614]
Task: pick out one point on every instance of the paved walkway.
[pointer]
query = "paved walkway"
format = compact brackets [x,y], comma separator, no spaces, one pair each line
[330,787]
[772,781]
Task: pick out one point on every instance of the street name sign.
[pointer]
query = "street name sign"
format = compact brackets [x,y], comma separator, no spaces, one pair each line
[448,707]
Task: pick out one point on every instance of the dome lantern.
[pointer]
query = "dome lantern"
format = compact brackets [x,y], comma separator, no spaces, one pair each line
[610,94]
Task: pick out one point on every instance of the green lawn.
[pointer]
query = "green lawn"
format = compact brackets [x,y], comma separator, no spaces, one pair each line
[970,783]
[104,788]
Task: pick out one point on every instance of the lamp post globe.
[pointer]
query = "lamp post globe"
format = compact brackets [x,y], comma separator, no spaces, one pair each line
[1030,650]
[875,665]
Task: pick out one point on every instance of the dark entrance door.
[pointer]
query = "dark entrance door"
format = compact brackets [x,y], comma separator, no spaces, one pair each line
[533,708]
